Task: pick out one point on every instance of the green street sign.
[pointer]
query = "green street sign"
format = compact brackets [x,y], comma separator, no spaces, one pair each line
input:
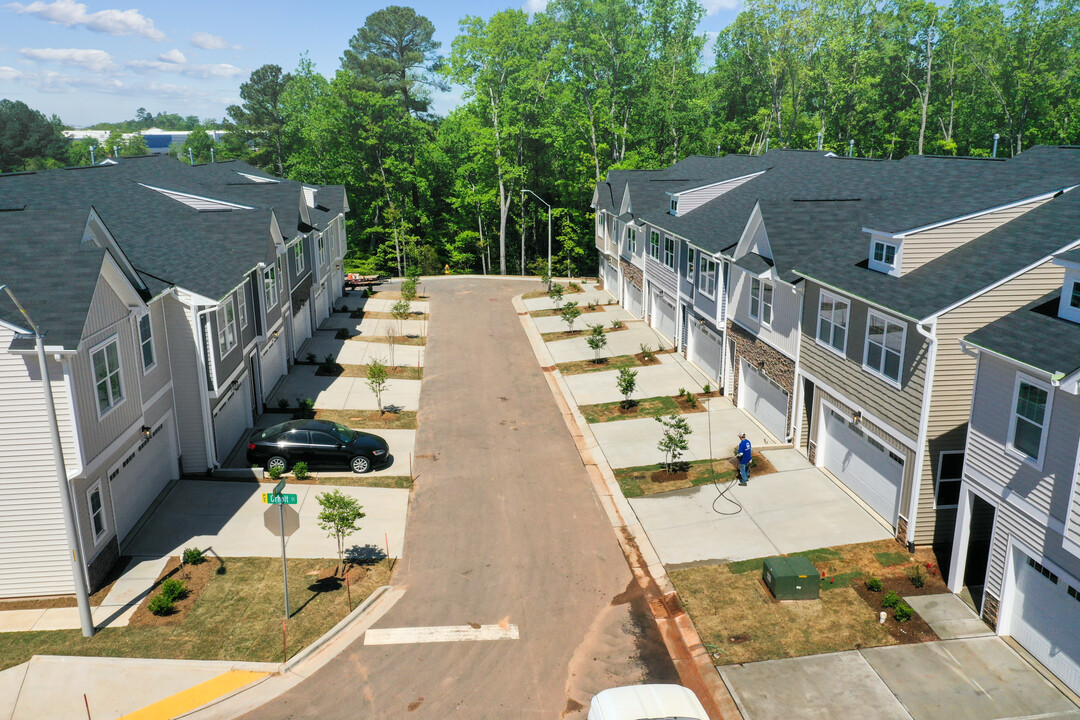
[279,498]
[279,487]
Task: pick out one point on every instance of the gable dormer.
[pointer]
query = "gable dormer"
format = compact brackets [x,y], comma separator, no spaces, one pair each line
[1069,304]
[626,207]
[691,199]
[754,238]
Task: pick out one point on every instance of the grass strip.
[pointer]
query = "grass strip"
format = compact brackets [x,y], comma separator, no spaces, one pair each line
[370,419]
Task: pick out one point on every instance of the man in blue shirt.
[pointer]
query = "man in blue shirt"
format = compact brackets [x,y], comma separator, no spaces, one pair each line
[744,454]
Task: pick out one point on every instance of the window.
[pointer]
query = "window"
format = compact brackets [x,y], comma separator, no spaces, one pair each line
[599,222]
[226,318]
[322,249]
[110,386]
[1031,410]
[241,301]
[97,511]
[631,239]
[669,251]
[298,252]
[654,245]
[950,472]
[674,206]
[832,321]
[688,265]
[884,346]
[761,300]
[1043,570]
[146,342]
[708,276]
[883,256]
[1074,299]
[270,286]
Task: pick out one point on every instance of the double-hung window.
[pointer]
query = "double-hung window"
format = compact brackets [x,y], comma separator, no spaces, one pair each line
[674,206]
[669,251]
[270,286]
[884,346]
[1074,298]
[708,276]
[107,378]
[688,265]
[1030,417]
[226,318]
[631,239]
[298,250]
[97,511]
[950,473]
[322,249]
[146,342]
[833,321]
[761,294]
[654,245]
[241,302]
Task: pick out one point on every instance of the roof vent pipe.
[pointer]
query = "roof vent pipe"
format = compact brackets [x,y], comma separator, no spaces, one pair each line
[92,160]
[850,147]
[819,139]
[116,151]
[994,153]
[211,154]
[190,157]
[767,144]
[717,151]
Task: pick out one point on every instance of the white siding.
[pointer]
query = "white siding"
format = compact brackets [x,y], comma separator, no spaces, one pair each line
[783,332]
[693,199]
[33,549]
[184,359]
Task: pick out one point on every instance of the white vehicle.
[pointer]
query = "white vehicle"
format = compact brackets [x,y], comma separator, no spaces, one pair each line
[646,702]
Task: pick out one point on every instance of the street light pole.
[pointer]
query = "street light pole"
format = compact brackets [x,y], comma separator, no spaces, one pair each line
[526,190]
[86,620]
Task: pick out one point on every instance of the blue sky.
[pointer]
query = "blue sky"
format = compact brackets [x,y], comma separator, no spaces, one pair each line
[100,60]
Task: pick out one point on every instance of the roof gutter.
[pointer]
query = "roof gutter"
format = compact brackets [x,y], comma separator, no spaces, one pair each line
[859,297]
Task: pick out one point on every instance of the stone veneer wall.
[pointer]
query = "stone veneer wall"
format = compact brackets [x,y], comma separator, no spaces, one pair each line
[779,367]
[632,273]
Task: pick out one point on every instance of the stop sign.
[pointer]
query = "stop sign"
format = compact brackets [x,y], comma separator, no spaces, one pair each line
[275,516]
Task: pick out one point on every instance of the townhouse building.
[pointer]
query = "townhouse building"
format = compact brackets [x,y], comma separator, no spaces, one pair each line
[172,300]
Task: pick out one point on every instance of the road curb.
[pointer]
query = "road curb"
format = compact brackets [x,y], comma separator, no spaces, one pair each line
[691,659]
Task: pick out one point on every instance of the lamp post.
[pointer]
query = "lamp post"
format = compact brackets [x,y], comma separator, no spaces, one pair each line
[81,595]
[526,190]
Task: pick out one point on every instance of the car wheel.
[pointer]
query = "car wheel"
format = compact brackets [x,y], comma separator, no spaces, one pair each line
[277,462]
[360,464]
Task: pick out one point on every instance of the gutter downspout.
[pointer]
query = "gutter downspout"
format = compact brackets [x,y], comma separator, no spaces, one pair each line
[794,426]
[208,433]
[920,453]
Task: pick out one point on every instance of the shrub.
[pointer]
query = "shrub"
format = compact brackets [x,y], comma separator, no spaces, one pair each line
[193,556]
[341,334]
[344,308]
[575,287]
[706,388]
[282,403]
[891,600]
[616,324]
[592,305]
[915,575]
[160,605]
[903,612]
[646,352]
[691,401]
[173,589]
[874,584]
[310,357]
[682,392]
[300,470]
[274,473]
[307,407]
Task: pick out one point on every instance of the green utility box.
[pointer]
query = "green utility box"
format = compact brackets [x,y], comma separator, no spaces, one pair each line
[791,578]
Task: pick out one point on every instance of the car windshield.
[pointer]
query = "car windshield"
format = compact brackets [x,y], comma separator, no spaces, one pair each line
[344,434]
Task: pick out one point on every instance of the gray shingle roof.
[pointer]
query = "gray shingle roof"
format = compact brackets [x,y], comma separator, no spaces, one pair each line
[1035,336]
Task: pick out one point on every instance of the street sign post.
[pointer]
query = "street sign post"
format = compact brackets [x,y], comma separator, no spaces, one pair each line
[283,529]
[279,498]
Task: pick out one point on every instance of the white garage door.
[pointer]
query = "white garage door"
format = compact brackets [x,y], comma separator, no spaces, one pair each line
[301,327]
[632,299]
[1045,616]
[322,306]
[144,477]
[864,464]
[663,315]
[272,365]
[611,276]
[763,399]
[232,418]
[706,351]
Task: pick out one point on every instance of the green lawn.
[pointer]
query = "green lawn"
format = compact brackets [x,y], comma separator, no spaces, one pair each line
[647,407]
[577,367]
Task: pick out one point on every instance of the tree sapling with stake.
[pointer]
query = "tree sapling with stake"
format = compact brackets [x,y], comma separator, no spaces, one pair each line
[338,517]
[570,313]
[376,381]
[627,383]
[597,340]
[674,440]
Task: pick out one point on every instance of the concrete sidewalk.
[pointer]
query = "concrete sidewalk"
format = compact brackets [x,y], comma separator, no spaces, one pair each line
[370,304]
[356,352]
[620,342]
[672,374]
[554,323]
[344,393]
[591,292]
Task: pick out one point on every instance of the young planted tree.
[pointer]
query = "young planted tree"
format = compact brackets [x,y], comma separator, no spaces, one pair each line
[627,383]
[674,440]
[570,313]
[408,290]
[555,292]
[376,380]
[597,340]
[338,517]
[400,310]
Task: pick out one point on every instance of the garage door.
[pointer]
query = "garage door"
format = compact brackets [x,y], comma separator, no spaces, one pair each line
[763,399]
[232,418]
[272,365]
[706,351]
[863,463]
[632,299]
[322,307]
[301,327]
[611,275]
[1045,616]
[663,315]
[137,484]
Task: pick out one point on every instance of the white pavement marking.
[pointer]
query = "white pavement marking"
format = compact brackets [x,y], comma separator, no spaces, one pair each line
[446,633]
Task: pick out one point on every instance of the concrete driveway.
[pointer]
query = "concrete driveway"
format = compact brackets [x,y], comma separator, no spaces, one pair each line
[375,327]
[591,292]
[227,518]
[968,679]
[357,352]
[622,342]
[632,443]
[673,373]
[379,304]
[343,393]
[796,508]
[554,323]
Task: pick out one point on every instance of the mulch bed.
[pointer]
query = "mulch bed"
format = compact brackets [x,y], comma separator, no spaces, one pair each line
[195,577]
[914,630]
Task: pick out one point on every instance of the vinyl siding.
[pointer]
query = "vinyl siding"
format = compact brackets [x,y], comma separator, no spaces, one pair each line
[954,377]
[247,334]
[159,374]
[33,549]
[225,365]
[660,275]
[184,360]
[692,199]
[902,407]
[920,248]
[712,307]
[783,332]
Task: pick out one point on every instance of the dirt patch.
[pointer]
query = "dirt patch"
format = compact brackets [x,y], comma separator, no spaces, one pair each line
[194,577]
[663,476]
[397,339]
[914,630]
[393,372]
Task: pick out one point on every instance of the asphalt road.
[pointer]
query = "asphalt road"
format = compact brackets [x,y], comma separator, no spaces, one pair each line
[504,527]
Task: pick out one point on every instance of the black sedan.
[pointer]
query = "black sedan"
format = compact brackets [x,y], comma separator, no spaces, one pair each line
[317,443]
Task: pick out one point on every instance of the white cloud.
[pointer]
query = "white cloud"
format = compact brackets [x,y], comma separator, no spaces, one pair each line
[217,70]
[206,41]
[111,22]
[714,6]
[53,83]
[96,60]
[173,56]
[534,6]
[10,73]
